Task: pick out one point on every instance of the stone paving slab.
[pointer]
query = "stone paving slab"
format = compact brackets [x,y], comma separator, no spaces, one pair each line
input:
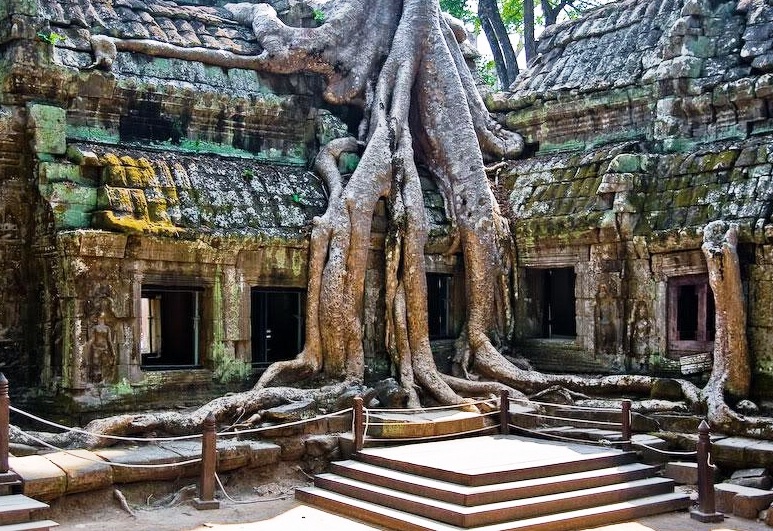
[50,476]
[682,472]
[42,479]
[85,470]
[425,424]
[137,456]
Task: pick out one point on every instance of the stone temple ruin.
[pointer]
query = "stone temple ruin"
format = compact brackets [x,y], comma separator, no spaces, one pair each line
[155,210]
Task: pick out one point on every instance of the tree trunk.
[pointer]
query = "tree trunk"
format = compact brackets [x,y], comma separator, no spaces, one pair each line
[731,370]
[529,42]
[499,41]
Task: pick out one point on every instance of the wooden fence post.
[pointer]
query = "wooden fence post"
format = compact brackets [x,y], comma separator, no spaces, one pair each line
[626,424]
[359,424]
[206,499]
[5,403]
[504,412]
[706,511]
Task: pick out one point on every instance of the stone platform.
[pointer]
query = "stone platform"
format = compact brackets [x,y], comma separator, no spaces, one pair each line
[49,476]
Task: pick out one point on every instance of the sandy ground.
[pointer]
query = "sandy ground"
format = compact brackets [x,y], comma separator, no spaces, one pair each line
[272,507]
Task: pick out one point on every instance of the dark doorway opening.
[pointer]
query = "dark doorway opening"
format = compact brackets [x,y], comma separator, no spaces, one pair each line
[559,317]
[277,325]
[550,303]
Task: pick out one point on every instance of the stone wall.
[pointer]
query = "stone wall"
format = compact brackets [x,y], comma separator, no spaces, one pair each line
[646,121]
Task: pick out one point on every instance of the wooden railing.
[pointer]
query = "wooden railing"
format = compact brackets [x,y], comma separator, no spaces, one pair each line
[208,477]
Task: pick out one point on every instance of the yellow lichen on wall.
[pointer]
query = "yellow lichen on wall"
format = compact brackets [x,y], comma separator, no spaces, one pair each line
[130,198]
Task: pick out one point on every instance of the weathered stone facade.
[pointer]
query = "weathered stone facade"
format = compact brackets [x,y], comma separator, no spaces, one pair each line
[156,185]
[151,200]
[646,121]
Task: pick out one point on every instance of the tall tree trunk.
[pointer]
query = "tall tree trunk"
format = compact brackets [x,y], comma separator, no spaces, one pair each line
[499,41]
[731,373]
[529,43]
[550,11]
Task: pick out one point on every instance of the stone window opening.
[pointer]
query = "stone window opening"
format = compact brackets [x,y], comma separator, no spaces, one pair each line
[170,327]
[440,318]
[277,324]
[691,314]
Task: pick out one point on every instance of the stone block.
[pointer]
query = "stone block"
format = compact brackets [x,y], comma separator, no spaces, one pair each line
[729,452]
[85,470]
[232,454]
[51,172]
[759,453]
[321,445]
[293,448]
[724,493]
[339,423]
[42,479]
[72,193]
[71,216]
[683,473]
[101,244]
[749,501]
[135,457]
[651,451]
[263,453]
[746,502]
[48,128]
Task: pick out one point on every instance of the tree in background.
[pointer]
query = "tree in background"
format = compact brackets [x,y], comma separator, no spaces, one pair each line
[498,19]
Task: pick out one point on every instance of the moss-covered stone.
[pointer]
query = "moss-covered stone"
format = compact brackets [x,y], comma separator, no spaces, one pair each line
[48,127]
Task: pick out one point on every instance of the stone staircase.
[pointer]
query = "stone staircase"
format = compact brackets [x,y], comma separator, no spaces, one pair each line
[493,483]
[17,511]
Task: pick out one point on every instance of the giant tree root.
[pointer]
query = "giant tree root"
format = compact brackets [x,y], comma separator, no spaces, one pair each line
[175,423]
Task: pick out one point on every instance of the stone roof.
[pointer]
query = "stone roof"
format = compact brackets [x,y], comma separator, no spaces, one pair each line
[568,197]
[159,20]
[134,191]
[634,42]
[686,86]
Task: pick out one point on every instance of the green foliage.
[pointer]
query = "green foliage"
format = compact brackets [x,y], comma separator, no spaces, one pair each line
[460,10]
[488,72]
[247,174]
[512,14]
[319,16]
[51,37]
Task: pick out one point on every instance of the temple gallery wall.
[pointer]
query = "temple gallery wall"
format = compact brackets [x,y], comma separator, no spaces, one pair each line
[155,211]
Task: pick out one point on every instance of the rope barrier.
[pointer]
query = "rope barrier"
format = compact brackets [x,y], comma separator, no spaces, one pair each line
[283,425]
[105,436]
[406,421]
[178,438]
[596,422]
[437,408]
[104,462]
[559,437]
[245,502]
[665,452]
[567,406]
[431,437]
